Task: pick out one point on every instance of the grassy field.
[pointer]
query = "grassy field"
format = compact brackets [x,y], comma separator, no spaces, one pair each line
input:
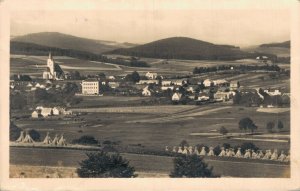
[62,162]
[158,126]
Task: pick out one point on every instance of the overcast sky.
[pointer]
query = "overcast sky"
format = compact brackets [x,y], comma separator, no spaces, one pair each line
[228,22]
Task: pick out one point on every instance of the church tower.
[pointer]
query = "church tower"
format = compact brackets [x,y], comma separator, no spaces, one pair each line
[50,64]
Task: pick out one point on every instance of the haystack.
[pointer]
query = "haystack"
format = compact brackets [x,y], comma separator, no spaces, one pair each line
[282,156]
[203,151]
[62,141]
[211,152]
[222,153]
[28,139]
[238,153]
[274,155]
[47,139]
[21,137]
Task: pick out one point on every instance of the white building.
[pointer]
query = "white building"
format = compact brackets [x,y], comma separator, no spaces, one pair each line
[146,91]
[53,72]
[151,75]
[35,114]
[45,112]
[90,87]
[148,82]
[273,93]
[207,82]
[176,96]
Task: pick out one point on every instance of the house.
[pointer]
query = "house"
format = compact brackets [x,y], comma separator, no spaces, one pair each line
[46,111]
[207,82]
[151,75]
[90,87]
[35,114]
[111,77]
[37,85]
[222,96]
[221,82]
[191,88]
[113,85]
[166,82]
[234,85]
[179,82]
[203,96]
[146,91]
[148,82]
[164,88]
[176,96]
[273,93]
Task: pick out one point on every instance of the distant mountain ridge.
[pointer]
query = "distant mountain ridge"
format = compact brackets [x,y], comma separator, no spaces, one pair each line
[286,44]
[65,41]
[183,48]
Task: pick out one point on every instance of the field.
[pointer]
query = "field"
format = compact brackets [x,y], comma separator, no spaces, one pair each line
[156,127]
[65,162]
[134,123]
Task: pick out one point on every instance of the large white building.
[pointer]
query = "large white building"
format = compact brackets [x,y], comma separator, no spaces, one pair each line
[53,72]
[90,87]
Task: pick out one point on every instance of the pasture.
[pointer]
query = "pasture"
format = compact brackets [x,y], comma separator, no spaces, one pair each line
[63,162]
[153,128]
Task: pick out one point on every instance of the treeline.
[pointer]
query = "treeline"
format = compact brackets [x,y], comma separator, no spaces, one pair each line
[201,70]
[38,50]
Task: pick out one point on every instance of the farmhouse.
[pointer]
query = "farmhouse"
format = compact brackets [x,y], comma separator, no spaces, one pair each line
[221,82]
[54,71]
[151,76]
[207,82]
[176,96]
[148,82]
[46,111]
[222,96]
[90,87]
[166,82]
[191,88]
[203,96]
[234,85]
[35,114]
[147,92]
[179,82]
[113,85]
[164,88]
[273,93]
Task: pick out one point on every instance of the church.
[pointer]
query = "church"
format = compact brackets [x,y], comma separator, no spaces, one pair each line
[53,71]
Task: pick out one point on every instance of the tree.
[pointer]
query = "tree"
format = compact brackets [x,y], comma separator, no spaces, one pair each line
[104,165]
[223,130]
[270,126]
[14,131]
[184,143]
[133,77]
[247,124]
[191,166]
[280,125]
[34,135]
[248,145]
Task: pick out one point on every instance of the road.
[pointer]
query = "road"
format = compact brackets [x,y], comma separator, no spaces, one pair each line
[144,163]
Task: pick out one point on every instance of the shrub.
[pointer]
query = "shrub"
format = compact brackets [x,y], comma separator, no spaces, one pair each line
[248,145]
[223,130]
[35,135]
[104,165]
[85,140]
[270,126]
[14,131]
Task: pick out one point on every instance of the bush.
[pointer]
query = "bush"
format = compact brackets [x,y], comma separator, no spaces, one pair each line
[34,135]
[217,150]
[223,130]
[104,165]
[14,131]
[184,143]
[270,126]
[191,166]
[85,140]
[280,125]
[248,145]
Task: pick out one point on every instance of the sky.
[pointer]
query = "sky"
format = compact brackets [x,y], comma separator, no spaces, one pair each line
[235,22]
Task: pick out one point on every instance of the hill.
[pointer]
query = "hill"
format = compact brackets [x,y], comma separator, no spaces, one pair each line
[64,41]
[279,49]
[183,48]
[286,44]
[24,48]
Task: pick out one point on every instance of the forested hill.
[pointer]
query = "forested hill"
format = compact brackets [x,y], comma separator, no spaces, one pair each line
[23,48]
[286,44]
[65,41]
[183,48]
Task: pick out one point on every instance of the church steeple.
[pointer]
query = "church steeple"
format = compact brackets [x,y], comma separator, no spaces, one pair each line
[50,56]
